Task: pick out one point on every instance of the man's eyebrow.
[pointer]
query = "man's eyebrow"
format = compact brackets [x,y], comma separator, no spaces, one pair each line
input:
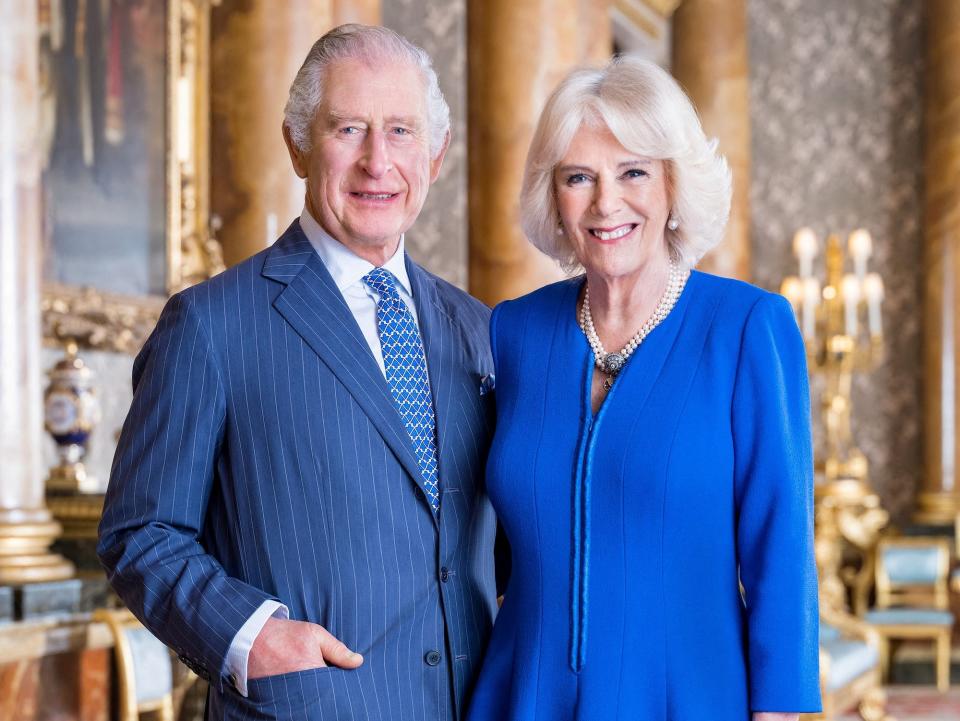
[412,120]
[336,119]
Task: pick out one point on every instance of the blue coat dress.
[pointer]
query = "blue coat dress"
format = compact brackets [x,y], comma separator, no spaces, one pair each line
[629,528]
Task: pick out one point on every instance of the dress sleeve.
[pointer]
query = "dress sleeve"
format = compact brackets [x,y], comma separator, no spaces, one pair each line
[774,495]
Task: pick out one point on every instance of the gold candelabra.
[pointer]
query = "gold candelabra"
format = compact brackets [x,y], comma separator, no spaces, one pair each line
[838,342]
[842,329]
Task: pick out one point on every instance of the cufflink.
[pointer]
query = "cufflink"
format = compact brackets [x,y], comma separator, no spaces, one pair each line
[487,384]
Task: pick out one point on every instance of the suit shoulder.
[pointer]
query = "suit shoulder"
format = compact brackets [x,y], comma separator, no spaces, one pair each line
[458,300]
[225,282]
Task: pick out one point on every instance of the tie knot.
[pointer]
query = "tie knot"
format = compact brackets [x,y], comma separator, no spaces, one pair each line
[382,282]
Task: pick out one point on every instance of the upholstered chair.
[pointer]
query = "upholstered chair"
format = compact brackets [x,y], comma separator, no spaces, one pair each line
[849,667]
[144,667]
[912,598]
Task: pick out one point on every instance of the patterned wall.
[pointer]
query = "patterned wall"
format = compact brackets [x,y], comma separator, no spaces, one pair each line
[438,239]
[836,111]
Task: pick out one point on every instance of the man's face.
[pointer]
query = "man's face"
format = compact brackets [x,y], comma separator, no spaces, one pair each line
[369,167]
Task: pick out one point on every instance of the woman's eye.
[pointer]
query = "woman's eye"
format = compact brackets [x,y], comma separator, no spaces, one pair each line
[576,179]
[635,173]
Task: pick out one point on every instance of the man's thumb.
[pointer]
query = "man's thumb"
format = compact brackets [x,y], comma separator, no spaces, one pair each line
[336,653]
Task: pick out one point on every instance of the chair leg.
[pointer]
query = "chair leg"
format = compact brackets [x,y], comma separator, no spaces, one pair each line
[943,662]
[884,659]
[166,711]
[873,707]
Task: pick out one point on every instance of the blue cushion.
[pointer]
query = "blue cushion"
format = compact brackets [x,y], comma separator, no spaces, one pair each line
[828,633]
[848,660]
[152,671]
[909,617]
[912,565]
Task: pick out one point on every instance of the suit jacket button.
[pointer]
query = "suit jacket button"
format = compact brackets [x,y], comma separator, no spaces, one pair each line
[444,574]
[432,658]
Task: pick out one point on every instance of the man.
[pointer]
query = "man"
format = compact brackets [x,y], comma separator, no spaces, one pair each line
[297,504]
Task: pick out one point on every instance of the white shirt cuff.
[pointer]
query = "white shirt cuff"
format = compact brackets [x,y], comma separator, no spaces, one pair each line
[239,652]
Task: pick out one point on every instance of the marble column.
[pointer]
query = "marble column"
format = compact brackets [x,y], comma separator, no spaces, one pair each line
[26,527]
[710,61]
[257,46]
[518,52]
[939,498]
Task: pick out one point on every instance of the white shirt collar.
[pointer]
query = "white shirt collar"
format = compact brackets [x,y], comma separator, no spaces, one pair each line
[345,267]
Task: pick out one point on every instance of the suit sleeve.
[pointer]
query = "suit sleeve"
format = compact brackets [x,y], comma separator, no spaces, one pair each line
[160,484]
[774,495]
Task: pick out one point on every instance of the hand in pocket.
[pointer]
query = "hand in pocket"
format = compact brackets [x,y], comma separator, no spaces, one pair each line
[285,646]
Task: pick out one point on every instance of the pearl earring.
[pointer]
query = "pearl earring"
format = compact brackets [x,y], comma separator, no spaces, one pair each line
[559,228]
[673,223]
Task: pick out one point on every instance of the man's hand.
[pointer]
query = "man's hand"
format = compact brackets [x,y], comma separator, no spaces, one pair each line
[285,646]
[768,716]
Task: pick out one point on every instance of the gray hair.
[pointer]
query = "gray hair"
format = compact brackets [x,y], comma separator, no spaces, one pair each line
[648,112]
[368,43]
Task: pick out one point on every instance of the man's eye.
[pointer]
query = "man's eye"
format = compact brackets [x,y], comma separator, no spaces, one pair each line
[401,131]
[350,130]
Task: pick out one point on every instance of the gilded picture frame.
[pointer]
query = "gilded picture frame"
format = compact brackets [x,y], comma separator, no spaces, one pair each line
[96,318]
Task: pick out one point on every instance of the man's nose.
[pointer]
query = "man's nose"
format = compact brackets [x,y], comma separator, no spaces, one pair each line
[606,198]
[376,155]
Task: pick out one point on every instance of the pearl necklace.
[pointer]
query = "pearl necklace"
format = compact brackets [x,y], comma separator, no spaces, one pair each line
[611,363]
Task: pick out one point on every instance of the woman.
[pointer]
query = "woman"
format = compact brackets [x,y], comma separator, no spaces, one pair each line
[637,487]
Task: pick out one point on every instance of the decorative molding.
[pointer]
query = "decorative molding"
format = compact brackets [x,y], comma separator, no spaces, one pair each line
[193,252]
[96,320]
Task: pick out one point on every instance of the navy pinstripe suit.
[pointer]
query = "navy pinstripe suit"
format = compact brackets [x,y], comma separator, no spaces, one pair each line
[263,457]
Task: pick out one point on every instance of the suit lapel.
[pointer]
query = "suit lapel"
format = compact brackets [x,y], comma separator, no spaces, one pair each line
[313,305]
[439,335]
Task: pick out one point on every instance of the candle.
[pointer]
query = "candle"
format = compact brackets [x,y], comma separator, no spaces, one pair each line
[873,292]
[792,290]
[805,248]
[811,299]
[860,247]
[850,291]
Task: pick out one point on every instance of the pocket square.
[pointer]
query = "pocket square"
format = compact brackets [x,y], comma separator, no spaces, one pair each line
[487,384]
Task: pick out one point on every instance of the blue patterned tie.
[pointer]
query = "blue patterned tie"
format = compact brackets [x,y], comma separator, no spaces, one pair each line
[406,370]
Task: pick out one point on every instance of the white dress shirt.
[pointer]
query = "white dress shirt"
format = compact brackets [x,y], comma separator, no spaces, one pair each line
[347,270]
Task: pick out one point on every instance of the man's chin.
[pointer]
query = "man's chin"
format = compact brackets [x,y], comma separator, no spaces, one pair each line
[382,243]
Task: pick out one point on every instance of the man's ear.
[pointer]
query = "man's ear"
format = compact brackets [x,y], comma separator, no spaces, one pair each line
[297,157]
[436,162]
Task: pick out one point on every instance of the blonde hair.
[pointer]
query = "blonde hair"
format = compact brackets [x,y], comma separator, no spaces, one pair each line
[650,115]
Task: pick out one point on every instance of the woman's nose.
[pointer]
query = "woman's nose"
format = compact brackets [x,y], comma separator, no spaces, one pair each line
[606,198]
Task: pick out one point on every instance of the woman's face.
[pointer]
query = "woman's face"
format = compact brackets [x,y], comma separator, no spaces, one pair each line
[613,204]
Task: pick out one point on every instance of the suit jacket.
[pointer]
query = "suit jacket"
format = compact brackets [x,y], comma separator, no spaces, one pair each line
[263,457]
